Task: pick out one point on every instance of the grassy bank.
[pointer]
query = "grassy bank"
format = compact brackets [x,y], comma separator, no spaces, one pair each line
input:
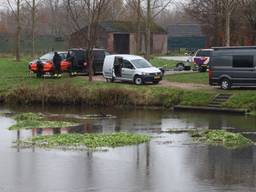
[17,86]
[98,95]
[90,141]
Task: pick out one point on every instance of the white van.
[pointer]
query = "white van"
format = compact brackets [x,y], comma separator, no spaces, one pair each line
[130,68]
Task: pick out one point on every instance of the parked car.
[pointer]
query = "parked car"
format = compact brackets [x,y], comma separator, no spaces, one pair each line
[99,56]
[202,59]
[44,65]
[183,66]
[130,68]
[233,66]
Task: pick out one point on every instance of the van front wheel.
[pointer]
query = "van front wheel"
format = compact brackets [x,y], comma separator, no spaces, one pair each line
[138,80]
[225,84]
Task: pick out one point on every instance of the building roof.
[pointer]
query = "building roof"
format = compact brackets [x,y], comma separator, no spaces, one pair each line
[185,30]
[128,26]
[125,27]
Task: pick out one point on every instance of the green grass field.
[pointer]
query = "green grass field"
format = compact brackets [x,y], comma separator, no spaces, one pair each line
[200,78]
[163,63]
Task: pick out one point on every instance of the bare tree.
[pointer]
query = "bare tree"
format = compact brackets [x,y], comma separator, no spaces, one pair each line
[33,5]
[210,15]
[136,6]
[248,9]
[15,7]
[228,8]
[94,10]
[154,8]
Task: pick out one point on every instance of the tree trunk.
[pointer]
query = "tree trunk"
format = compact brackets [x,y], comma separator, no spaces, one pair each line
[33,27]
[18,31]
[148,31]
[89,39]
[138,36]
[228,17]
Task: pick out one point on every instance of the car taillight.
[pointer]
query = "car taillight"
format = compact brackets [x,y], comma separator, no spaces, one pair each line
[210,73]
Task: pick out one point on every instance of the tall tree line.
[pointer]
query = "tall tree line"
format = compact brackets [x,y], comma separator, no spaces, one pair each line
[226,22]
[63,17]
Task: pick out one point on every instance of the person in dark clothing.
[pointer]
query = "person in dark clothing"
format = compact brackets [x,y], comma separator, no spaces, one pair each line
[56,62]
[68,55]
[73,60]
[40,69]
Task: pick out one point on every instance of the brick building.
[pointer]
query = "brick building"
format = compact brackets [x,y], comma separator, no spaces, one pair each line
[121,37]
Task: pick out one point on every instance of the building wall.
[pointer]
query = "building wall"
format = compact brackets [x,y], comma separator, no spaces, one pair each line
[106,41]
[159,45]
[133,43]
[110,43]
[78,39]
[187,42]
[43,44]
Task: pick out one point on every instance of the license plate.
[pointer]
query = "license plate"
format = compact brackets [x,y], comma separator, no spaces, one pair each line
[157,77]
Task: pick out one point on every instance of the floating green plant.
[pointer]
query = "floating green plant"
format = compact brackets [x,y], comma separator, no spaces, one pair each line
[38,121]
[90,141]
[221,137]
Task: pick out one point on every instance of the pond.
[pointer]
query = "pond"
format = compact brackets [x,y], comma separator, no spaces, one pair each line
[168,163]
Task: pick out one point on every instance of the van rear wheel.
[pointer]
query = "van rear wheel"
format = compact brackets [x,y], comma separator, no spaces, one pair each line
[225,84]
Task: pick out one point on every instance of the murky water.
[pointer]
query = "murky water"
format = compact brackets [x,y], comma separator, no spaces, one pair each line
[167,163]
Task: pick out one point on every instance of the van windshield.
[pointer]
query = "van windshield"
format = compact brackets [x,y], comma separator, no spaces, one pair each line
[141,63]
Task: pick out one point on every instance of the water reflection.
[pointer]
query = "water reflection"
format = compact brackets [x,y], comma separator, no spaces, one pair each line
[165,164]
[224,167]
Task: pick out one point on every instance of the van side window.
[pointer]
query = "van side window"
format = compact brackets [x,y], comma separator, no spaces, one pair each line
[243,61]
[127,65]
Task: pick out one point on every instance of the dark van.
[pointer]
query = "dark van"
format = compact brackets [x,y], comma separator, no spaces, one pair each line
[98,54]
[233,66]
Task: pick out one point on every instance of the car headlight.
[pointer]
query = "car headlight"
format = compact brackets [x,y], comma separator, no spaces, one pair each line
[145,73]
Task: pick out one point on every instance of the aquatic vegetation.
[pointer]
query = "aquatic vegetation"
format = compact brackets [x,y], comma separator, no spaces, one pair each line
[27,117]
[37,121]
[221,137]
[91,141]
[41,124]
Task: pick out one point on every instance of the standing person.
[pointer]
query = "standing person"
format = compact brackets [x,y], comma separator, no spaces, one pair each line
[56,62]
[68,55]
[71,57]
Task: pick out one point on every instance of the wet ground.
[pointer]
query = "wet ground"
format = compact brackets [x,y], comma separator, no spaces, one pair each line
[168,163]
